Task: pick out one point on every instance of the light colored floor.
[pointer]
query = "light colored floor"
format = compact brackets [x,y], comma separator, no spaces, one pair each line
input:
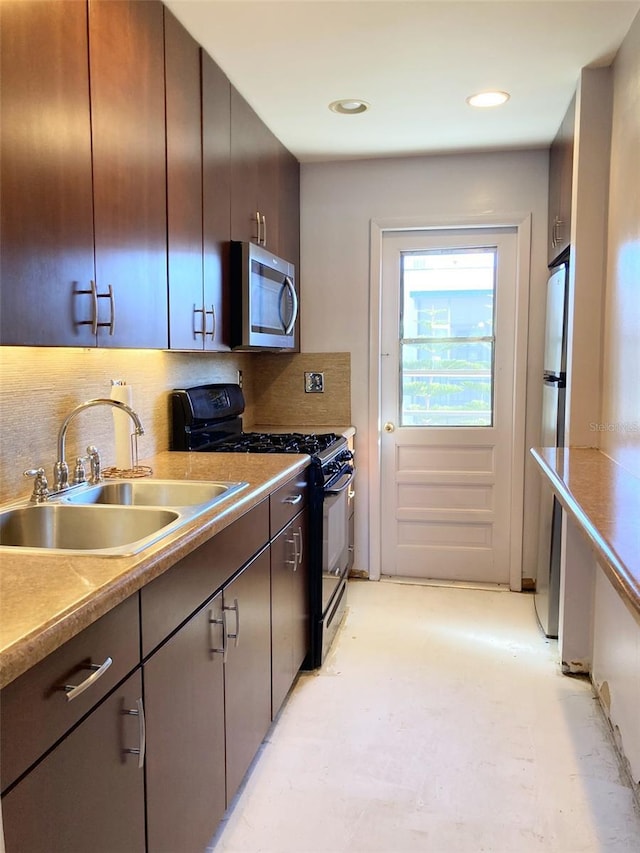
[440,722]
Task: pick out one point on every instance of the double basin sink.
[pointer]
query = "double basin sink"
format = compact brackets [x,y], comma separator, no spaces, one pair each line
[116,518]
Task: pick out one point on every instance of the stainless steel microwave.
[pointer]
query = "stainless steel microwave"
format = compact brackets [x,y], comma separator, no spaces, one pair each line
[264,303]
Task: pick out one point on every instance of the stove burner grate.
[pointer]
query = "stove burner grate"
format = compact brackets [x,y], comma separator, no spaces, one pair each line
[292,442]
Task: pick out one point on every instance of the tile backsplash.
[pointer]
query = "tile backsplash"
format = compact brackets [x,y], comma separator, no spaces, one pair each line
[39,387]
[279,395]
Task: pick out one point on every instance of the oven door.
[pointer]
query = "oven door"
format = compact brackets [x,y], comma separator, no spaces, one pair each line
[335,535]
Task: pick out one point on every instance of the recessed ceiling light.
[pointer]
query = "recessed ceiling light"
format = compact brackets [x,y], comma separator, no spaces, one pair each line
[349,106]
[488,99]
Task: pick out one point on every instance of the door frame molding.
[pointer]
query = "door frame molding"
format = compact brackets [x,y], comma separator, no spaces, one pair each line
[378,228]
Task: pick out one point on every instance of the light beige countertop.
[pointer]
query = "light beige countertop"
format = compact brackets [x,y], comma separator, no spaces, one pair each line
[604,500]
[47,598]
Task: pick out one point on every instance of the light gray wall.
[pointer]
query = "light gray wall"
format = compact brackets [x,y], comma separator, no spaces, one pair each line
[338,201]
[621,403]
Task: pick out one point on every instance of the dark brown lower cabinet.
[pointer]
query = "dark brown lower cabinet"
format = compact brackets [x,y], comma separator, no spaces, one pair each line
[289,607]
[247,676]
[184,696]
[88,793]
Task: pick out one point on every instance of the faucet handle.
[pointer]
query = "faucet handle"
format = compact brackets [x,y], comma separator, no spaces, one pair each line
[96,464]
[79,474]
[40,485]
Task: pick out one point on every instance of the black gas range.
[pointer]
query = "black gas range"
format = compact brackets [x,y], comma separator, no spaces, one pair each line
[208,419]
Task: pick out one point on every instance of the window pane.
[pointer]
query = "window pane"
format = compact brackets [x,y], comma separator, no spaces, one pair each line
[446,337]
[448,294]
[447,384]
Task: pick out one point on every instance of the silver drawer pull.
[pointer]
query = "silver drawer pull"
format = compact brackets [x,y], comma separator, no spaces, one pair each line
[292,499]
[74,690]
[138,712]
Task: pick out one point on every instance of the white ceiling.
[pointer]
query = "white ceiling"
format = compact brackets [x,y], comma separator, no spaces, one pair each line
[414,61]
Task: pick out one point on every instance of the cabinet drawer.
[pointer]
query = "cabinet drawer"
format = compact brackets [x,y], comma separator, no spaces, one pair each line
[36,710]
[170,599]
[287,501]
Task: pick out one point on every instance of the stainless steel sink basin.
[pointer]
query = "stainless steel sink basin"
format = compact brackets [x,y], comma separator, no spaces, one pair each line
[115,518]
[121,530]
[173,493]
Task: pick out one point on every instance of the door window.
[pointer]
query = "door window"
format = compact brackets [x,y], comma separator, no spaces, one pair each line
[446,337]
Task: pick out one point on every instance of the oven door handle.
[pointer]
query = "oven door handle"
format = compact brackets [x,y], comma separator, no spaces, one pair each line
[344,486]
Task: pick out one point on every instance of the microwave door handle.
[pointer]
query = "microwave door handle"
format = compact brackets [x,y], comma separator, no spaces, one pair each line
[294,298]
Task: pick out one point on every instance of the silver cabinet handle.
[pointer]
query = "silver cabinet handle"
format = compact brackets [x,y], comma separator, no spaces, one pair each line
[95,325]
[294,298]
[258,223]
[297,541]
[112,306]
[201,331]
[264,230]
[301,545]
[213,323]
[138,712]
[212,648]
[293,541]
[292,499]
[235,637]
[93,322]
[75,690]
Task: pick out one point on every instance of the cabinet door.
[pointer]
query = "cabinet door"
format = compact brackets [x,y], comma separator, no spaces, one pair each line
[216,188]
[289,210]
[46,204]
[268,151]
[561,186]
[184,701]
[248,669]
[289,220]
[289,607]
[126,54]
[245,147]
[88,793]
[184,187]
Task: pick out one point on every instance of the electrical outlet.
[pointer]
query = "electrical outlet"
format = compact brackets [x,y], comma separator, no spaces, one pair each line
[314,383]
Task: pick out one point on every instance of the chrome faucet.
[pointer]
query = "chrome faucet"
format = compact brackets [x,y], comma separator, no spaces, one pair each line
[61,469]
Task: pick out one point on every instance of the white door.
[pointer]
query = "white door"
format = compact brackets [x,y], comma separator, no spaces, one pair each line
[447,389]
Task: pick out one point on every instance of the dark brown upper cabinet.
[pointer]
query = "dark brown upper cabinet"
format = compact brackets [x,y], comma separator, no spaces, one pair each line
[126,53]
[187,321]
[129,162]
[289,208]
[46,202]
[83,174]
[254,177]
[198,188]
[216,199]
[561,185]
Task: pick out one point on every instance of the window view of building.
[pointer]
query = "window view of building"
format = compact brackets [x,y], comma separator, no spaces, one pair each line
[447,337]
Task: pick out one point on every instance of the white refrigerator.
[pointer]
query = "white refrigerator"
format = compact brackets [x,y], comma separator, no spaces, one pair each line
[552,435]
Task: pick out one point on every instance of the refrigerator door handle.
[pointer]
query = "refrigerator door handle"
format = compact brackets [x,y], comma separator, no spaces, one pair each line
[558,379]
